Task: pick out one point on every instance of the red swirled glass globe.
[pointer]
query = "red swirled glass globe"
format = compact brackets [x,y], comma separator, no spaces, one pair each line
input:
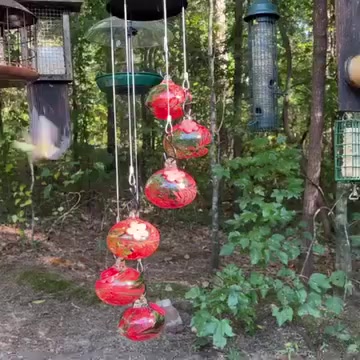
[188,140]
[158,98]
[171,188]
[142,323]
[120,286]
[133,239]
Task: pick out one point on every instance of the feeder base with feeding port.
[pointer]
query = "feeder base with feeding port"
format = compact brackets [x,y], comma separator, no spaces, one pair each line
[144,81]
[17,42]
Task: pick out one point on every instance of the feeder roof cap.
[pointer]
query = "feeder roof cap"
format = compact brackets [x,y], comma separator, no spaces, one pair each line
[261,8]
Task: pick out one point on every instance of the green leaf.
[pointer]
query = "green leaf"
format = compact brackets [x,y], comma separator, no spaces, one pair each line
[227,249]
[256,279]
[338,278]
[47,191]
[319,249]
[301,295]
[26,203]
[282,316]
[314,299]
[45,173]
[319,282]
[255,256]
[223,330]
[233,299]
[283,257]
[334,304]
[244,243]
[193,293]
[352,349]
[306,309]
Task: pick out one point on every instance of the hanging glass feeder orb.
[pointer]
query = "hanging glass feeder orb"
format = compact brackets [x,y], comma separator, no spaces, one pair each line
[142,322]
[171,188]
[159,96]
[17,45]
[120,285]
[188,140]
[262,17]
[133,239]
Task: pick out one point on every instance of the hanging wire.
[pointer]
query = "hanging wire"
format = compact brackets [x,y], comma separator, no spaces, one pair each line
[136,185]
[127,51]
[186,83]
[115,121]
[168,126]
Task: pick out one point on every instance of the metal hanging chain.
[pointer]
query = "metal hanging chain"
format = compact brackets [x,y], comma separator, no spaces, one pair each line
[186,83]
[115,122]
[168,126]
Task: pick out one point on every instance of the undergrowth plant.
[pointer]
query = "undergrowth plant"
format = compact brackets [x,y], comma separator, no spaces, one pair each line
[265,238]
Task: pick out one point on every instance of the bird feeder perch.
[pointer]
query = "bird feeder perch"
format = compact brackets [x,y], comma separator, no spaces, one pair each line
[17,45]
[262,17]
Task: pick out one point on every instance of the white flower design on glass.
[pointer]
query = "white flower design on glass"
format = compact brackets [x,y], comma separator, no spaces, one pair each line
[138,231]
[174,175]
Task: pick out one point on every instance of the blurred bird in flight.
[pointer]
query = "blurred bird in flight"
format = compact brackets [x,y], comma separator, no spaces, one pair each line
[41,144]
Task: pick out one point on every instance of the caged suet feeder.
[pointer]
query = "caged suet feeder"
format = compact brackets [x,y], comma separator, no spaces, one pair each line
[17,45]
[262,17]
[347,150]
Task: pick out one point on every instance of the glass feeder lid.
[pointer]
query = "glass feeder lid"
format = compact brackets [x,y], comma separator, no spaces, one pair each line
[144,34]
[14,15]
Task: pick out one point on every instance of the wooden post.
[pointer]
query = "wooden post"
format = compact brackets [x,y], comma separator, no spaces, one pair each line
[343,244]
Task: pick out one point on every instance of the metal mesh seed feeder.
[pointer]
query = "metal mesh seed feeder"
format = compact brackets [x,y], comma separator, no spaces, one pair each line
[17,45]
[262,17]
[53,55]
[347,150]
[140,35]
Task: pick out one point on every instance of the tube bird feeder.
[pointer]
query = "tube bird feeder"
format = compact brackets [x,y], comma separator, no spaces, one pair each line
[262,17]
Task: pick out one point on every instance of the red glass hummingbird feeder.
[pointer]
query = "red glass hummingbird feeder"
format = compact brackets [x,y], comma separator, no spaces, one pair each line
[142,322]
[159,97]
[188,140]
[133,239]
[120,285]
[171,188]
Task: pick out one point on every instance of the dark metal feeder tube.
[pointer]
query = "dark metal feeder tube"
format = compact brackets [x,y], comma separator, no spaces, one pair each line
[262,17]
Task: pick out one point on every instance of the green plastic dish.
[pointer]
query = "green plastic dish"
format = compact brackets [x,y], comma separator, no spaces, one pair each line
[144,81]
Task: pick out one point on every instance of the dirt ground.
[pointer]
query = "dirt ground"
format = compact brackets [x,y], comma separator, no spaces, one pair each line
[48,310]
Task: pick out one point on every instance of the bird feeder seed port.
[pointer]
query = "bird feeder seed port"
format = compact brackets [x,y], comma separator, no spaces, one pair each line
[17,45]
[347,150]
[262,17]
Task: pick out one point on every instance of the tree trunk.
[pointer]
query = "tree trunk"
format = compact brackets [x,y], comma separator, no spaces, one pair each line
[238,56]
[313,168]
[213,149]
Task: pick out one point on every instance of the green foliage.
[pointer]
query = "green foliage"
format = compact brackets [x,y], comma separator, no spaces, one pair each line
[266,231]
